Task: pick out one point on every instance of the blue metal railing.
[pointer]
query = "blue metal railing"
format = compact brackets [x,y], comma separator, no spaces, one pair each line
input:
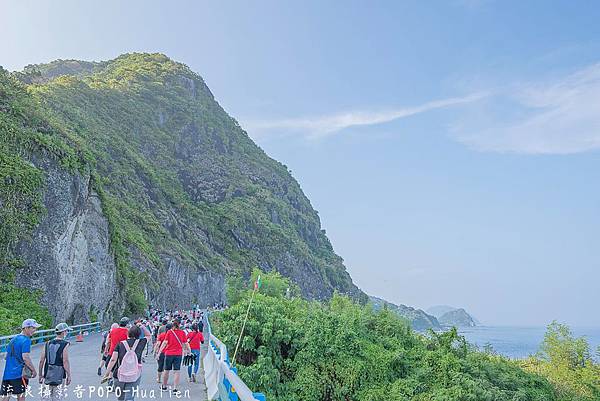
[41,336]
[222,381]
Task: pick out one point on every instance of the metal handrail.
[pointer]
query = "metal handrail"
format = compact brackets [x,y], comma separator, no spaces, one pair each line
[41,336]
[221,378]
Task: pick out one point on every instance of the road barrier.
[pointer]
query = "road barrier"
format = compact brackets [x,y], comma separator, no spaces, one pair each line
[41,336]
[222,381]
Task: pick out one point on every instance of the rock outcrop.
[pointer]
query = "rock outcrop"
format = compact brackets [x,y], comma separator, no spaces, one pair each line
[457,317]
[68,256]
[177,285]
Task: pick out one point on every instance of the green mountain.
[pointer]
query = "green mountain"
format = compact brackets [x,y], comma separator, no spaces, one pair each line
[124,183]
[418,319]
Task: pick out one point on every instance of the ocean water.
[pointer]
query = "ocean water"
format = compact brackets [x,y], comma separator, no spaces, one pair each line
[520,342]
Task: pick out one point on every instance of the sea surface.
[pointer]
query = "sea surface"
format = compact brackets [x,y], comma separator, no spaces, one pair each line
[520,342]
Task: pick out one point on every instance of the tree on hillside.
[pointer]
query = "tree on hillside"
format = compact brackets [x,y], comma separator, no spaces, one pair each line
[567,362]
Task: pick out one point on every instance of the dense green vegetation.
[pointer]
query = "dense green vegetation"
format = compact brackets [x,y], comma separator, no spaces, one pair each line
[295,349]
[568,363]
[24,129]
[16,305]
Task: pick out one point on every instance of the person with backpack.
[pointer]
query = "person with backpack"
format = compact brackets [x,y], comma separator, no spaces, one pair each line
[19,368]
[54,362]
[126,365]
[117,335]
[175,346]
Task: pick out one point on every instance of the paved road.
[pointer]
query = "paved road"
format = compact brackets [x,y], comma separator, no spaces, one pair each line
[85,358]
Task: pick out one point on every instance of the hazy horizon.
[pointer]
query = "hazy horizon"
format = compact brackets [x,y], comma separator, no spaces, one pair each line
[452,156]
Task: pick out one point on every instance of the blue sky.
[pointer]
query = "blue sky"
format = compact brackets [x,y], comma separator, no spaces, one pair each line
[451,147]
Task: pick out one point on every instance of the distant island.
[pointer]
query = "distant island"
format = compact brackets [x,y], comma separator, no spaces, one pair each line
[437,317]
[449,316]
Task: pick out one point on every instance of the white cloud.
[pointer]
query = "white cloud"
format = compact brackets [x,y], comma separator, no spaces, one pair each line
[317,127]
[558,117]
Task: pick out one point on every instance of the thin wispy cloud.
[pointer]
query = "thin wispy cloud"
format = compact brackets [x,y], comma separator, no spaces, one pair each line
[325,125]
[558,117]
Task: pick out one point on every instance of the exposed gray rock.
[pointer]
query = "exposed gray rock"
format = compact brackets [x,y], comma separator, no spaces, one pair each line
[306,276]
[175,285]
[68,256]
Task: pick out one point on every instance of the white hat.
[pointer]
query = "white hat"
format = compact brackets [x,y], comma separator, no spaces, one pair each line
[30,323]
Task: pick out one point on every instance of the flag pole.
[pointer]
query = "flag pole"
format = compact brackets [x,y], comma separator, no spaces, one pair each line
[245,320]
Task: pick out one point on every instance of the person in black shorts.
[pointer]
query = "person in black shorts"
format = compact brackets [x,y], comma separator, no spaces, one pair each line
[160,356]
[175,346]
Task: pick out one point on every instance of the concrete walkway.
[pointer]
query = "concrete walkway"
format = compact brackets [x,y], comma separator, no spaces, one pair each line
[85,359]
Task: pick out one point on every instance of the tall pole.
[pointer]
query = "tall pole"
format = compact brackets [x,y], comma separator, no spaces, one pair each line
[243,326]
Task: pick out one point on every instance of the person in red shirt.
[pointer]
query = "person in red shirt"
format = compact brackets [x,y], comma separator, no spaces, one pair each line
[117,335]
[160,356]
[175,346]
[194,339]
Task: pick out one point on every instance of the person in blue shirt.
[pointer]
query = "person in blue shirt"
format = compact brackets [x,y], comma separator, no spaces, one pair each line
[14,381]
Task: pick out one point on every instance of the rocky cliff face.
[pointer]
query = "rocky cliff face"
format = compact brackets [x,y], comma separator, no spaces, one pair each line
[68,256]
[178,285]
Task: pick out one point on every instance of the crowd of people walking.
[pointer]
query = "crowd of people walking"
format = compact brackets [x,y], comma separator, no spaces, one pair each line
[173,338]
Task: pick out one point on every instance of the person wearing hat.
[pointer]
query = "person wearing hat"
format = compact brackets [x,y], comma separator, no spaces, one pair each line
[54,363]
[19,368]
